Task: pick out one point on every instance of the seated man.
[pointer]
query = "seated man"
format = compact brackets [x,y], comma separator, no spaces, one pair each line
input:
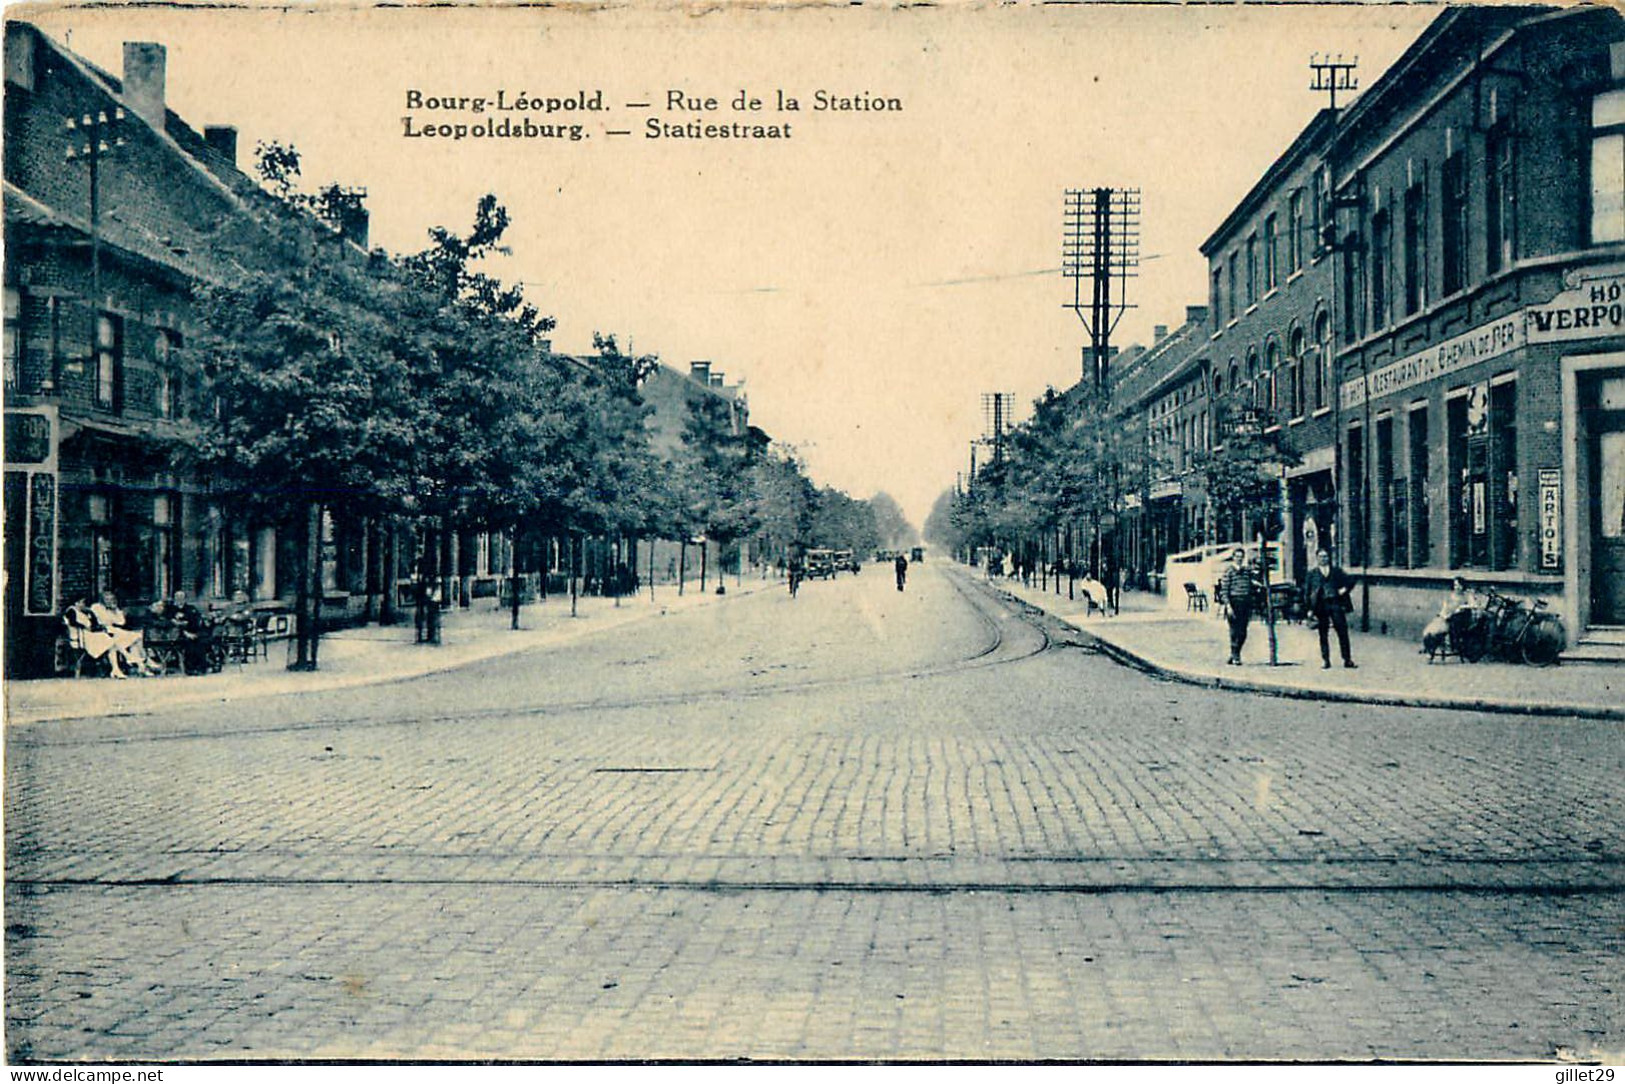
[194,633]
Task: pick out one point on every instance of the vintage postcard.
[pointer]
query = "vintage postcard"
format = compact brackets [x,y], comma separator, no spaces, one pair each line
[814,532]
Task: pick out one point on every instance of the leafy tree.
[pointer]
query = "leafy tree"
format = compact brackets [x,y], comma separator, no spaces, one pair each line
[1242,475]
[306,394]
[891,526]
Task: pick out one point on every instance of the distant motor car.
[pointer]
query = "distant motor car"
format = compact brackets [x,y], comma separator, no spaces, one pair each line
[821,564]
[917,554]
[847,561]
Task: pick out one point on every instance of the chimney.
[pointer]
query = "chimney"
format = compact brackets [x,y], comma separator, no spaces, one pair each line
[716,380]
[144,80]
[1159,332]
[1196,314]
[20,55]
[700,371]
[1616,60]
[222,140]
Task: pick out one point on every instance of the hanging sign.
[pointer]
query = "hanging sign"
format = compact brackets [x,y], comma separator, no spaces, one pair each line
[1551,519]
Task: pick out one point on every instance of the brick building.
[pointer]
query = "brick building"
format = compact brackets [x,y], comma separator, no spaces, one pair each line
[1421,297]
[113,207]
[1480,187]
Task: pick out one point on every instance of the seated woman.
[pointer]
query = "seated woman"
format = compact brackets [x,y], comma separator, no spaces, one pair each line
[1436,634]
[95,641]
[126,642]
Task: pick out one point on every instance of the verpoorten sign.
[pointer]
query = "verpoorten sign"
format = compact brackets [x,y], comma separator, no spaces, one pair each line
[1592,307]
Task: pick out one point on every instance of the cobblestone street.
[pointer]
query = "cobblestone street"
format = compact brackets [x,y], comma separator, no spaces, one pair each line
[856,824]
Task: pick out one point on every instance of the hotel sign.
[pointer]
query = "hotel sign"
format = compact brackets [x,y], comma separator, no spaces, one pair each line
[1481,344]
[1592,307]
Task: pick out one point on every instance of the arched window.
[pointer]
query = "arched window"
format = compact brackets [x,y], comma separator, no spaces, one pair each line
[1323,366]
[1272,368]
[1295,365]
[1235,376]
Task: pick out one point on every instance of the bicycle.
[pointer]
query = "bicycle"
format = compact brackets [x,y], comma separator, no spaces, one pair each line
[1510,629]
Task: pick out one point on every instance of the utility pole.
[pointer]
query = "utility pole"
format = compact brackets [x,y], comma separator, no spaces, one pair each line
[1100,243]
[1333,73]
[91,135]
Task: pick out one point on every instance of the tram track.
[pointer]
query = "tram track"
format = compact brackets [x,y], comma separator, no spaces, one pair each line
[983,605]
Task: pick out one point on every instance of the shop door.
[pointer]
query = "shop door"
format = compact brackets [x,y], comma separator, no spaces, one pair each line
[1607,440]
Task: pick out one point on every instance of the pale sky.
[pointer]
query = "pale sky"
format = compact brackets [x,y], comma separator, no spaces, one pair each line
[870,276]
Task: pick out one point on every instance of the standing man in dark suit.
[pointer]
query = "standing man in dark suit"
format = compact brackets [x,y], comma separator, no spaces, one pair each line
[1326,590]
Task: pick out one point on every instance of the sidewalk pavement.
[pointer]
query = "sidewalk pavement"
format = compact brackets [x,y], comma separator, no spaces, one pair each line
[1193,647]
[366,655]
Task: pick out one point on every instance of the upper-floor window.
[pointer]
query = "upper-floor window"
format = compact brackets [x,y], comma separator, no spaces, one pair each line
[1381,246]
[1608,167]
[1500,194]
[1252,269]
[109,361]
[1323,359]
[164,346]
[1214,299]
[1231,283]
[1296,364]
[1453,224]
[13,338]
[1294,231]
[1416,251]
[1271,265]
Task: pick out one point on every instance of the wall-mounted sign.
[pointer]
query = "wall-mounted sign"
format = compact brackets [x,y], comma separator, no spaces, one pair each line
[1592,307]
[1481,344]
[1551,519]
[41,594]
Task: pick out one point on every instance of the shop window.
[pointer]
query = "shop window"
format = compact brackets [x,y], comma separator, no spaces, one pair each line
[1608,167]
[163,545]
[13,334]
[109,362]
[1420,521]
[1453,224]
[99,513]
[1416,255]
[1481,450]
[1499,196]
[1381,243]
[1504,475]
[1390,499]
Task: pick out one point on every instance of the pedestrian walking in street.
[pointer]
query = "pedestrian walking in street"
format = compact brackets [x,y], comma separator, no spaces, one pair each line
[1238,589]
[901,565]
[1327,592]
